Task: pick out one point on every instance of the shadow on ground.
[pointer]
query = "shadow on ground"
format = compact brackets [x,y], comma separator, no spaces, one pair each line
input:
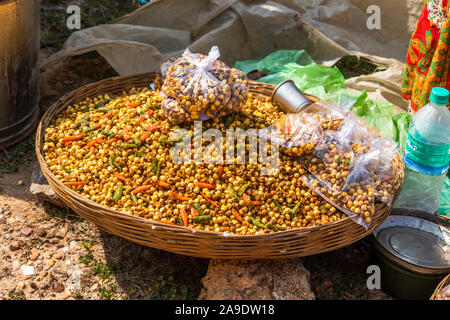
[147,273]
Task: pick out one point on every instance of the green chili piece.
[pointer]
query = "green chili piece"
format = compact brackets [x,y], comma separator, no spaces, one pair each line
[242,190]
[119,192]
[109,133]
[202,219]
[134,198]
[89,130]
[66,169]
[275,228]
[198,208]
[113,163]
[158,169]
[137,141]
[154,165]
[233,193]
[295,209]
[257,223]
[103,109]
[102,103]
[140,154]
[229,120]
[278,205]
[128,146]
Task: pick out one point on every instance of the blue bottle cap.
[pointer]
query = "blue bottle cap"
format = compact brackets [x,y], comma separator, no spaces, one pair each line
[440,96]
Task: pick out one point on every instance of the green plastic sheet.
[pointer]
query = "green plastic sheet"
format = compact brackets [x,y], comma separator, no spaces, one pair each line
[275,59]
[328,83]
[306,77]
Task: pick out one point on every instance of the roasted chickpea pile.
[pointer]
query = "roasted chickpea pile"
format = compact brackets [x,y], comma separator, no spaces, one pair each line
[196,87]
[116,151]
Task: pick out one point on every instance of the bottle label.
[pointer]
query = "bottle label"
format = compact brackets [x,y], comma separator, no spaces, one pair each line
[427,154]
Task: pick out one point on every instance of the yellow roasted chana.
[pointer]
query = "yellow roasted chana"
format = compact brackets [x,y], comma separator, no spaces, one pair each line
[116,151]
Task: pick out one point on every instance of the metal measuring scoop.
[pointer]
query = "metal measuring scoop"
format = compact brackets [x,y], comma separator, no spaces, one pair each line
[289,98]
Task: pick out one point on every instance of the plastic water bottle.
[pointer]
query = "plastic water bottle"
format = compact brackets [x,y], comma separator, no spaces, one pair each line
[427,155]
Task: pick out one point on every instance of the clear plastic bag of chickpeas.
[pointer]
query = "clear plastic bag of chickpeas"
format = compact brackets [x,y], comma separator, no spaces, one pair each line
[356,198]
[199,87]
[329,115]
[331,160]
[382,169]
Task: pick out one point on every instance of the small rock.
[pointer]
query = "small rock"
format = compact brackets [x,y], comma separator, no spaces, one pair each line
[27,270]
[43,285]
[61,233]
[14,246]
[65,249]
[16,264]
[20,183]
[33,285]
[27,231]
[49,263]
[41,189]
[58,255]
[41,233]
[43,273]
[1,210]
[256,280]
[34,254]
[58,287]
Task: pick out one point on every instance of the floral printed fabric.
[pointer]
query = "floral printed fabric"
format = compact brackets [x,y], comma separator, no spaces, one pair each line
[428,60]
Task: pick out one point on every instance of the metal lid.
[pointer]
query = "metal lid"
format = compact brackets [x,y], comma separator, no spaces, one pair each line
[416,241]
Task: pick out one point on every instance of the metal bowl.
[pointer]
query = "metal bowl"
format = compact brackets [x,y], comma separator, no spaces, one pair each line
[412,249]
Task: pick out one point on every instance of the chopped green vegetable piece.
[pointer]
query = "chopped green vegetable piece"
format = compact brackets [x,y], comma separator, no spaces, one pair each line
[137,141]
[229,120]
[278,205]
[234,196]
[242,190]
[202,219]
[66,169]
[103,109]
[102,103]
[109,133]
[295,209]
[134,198]
[128,146]
[154,165]
[119,192]
[257,223]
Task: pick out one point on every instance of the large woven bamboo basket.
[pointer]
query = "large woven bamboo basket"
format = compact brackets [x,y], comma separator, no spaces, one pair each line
[287,244]
[445,282]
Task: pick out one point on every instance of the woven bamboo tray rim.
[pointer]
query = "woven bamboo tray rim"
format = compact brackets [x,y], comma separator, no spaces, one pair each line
[187,241]
[445,282]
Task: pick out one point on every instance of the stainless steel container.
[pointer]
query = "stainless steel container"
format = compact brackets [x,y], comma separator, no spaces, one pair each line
[412,249]
[19,69]
[289,98]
